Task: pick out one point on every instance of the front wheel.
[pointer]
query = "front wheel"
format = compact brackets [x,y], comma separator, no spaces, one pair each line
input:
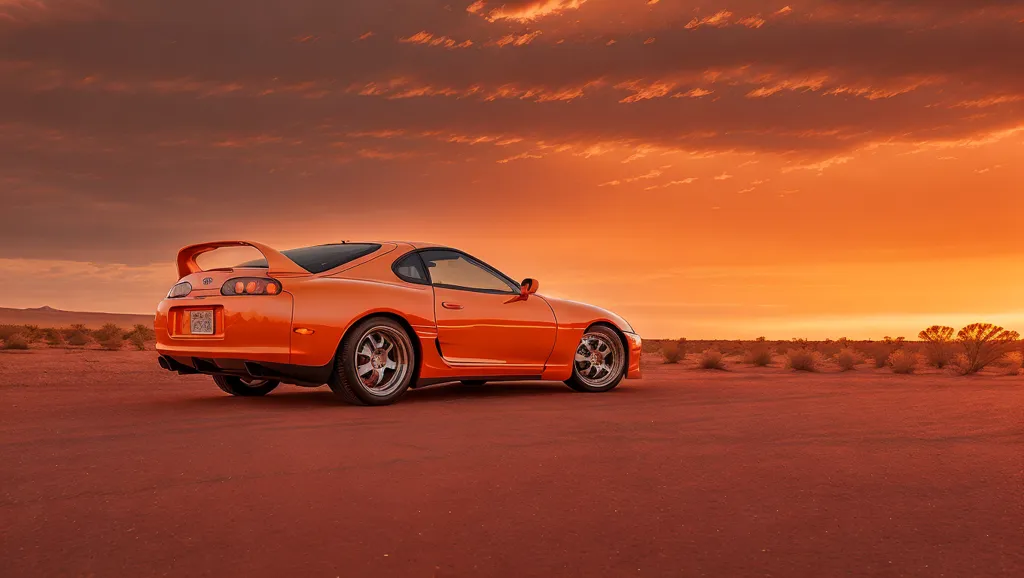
[600,361]
[374,365]
[244,386]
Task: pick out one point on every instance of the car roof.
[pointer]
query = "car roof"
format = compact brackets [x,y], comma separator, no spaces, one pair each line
[413,244]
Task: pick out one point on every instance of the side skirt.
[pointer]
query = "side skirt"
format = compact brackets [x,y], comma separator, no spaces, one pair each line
[436,380]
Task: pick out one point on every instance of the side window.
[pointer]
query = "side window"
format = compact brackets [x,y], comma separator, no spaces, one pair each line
[410,268]
[455,270]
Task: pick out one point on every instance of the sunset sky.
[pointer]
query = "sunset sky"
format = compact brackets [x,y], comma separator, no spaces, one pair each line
[709,168]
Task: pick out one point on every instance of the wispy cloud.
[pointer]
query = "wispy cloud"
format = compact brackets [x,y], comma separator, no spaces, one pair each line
[424,37]
[523,11]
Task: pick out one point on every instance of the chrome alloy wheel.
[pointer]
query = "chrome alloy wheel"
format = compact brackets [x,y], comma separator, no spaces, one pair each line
[599,359]
[382,360]
[254,383]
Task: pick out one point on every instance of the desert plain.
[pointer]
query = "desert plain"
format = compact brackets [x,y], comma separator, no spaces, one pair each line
[112,466]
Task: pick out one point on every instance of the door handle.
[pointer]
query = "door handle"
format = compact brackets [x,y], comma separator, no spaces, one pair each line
[450,305]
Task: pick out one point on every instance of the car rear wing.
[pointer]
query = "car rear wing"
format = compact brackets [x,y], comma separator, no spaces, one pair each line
[277,263]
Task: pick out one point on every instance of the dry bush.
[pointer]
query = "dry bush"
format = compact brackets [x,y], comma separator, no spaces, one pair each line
[15,341]
[983,344]
[108,332]
[847,359]
[77,338]
[114,343]
[828,348]
[938,341]
[1014,362]
[76,328]
[9,330]
[711,359]
[138,341]
[802,359]
[902,361]
[880,351]
[670,351]
[52,336]
[758,356]
[139,335]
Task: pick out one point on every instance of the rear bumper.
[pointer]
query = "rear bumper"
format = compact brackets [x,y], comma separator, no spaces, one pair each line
[253,328]
[635,350]
[288,373]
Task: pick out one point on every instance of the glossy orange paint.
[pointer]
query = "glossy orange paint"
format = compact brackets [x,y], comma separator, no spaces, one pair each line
[457,333]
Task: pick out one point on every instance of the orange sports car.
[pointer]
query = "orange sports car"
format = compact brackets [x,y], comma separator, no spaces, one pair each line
[371,320]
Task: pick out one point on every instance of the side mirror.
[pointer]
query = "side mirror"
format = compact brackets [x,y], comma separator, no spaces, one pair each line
[528,287]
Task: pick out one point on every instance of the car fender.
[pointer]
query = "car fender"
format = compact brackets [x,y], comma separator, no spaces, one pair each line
[572,319]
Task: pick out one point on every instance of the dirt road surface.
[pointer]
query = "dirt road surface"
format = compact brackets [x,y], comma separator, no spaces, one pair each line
[112,467]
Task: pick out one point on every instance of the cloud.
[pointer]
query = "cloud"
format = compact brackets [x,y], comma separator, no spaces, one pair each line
[424,37]
[520,157]
[819,166]
[652,174]
[676,183]
[524,11]
[517,39]
[717,19]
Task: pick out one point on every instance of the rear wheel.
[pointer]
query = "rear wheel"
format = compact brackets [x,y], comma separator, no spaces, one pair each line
[600,361]
[374,365]
[244,386]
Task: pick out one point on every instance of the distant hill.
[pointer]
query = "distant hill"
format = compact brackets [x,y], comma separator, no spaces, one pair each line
[50,317]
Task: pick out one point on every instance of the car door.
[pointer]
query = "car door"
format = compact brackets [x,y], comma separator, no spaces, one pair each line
[481,318]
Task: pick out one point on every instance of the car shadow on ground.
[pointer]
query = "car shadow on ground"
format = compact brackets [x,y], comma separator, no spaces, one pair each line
[287,396]
[454,391]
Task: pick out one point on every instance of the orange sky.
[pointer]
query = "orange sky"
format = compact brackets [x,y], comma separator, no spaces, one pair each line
[706,169]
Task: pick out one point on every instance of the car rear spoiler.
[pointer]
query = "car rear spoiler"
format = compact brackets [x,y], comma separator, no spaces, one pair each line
[277,263]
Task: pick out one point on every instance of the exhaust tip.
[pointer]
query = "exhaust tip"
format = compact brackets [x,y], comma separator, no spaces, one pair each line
[163,363]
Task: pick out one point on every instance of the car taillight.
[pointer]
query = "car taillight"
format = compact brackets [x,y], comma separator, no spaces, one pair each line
[251,286]
[180,290]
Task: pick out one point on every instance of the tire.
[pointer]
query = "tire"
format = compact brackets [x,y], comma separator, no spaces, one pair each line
[243,387]
[375,363]
[474,381]
[602,343]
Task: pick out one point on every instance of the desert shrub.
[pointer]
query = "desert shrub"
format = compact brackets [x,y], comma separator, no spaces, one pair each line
[1014,361]
[847,359]
[880,351]
[802,359]
[148,332]
[139,335]
[938,340]
[902,361]
[138,341]
[76,328]
[77,338]
[711,359]
[15,341]
[114,343]
[52,336]
[108,332]
[670,351]
[758,356]
[9,330]
[983,344]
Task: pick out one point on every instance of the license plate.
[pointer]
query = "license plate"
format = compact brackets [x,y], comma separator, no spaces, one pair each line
[201,322]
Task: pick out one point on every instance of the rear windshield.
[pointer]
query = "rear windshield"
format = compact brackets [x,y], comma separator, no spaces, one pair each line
[321,257]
